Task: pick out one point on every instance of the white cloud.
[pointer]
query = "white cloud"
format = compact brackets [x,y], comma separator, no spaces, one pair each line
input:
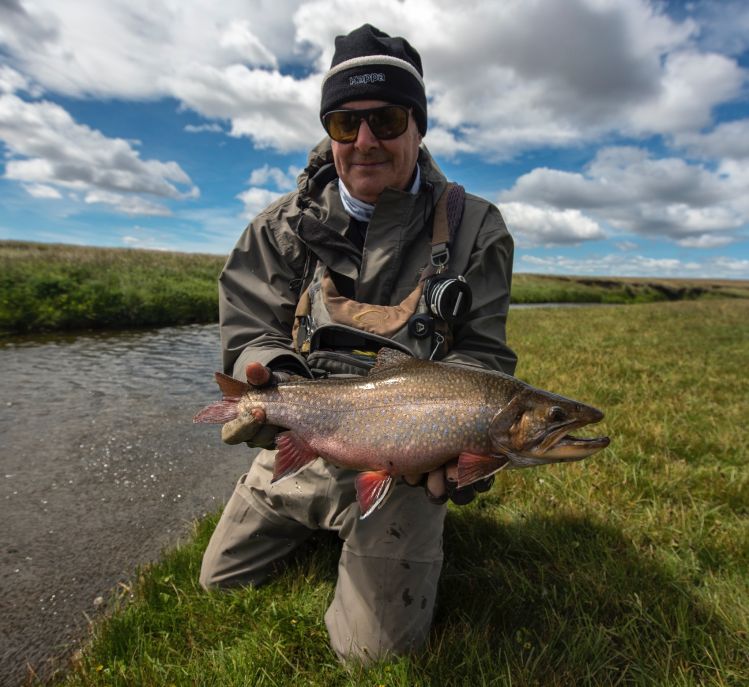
[11,81]
[256,199]
[274,110]
[42,191]
[48,148]
[147,242]
[628,189]
[204,128]
[129,49]
[727,141]
[534,226]
[692,84]
[707,241]
[724,25]
[283,181]
[502,77]
[128,205]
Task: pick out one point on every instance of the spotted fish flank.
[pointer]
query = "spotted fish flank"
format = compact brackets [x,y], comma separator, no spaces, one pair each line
[408,416]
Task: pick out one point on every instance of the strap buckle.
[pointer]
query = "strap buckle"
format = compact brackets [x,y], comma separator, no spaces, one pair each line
[440,256]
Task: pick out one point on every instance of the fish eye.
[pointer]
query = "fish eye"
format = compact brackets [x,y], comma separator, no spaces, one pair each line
[556,414]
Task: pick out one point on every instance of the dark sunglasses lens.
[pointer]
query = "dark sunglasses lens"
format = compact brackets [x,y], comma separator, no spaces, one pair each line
[388,122]
[342,125]
[385,122]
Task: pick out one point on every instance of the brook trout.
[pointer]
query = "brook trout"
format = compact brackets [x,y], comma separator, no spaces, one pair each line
[408,416]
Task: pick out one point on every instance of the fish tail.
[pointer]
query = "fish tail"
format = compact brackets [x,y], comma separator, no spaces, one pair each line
[218,412]
[225,410]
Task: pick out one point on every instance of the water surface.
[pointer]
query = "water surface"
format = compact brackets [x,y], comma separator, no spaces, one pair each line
[100,469]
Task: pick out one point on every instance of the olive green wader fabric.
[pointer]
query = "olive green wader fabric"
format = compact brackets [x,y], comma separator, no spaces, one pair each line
[389,566]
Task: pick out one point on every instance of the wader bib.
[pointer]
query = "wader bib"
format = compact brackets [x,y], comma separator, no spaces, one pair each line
[339,335]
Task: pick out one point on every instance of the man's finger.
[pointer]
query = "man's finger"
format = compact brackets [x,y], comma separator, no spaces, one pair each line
[435,486]
[415,479]
[451,470]
[257,374]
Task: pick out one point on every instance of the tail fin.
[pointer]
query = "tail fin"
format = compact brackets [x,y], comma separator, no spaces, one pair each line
[218,413]
[225,410]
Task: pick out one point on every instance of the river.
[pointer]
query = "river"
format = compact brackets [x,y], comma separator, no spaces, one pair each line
[101,469]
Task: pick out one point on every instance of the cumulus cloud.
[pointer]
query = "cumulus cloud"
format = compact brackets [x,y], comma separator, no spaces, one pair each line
[49,150]
[256,199]
[283,181]
[535,226]
[128,205]
[501,77]
[627,188]
[727,141]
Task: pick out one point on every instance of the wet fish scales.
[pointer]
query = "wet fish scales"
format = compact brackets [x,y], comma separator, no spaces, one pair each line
[409,416]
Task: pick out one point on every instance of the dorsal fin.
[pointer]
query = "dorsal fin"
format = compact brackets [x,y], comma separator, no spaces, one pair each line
[231,388]
[389,357]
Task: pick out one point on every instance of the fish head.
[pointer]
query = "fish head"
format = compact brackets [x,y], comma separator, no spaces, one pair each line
[535,428]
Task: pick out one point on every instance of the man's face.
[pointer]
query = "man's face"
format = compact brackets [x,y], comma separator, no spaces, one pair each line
[368,165]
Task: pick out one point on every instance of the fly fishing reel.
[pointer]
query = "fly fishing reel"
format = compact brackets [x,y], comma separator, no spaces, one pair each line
[448,297]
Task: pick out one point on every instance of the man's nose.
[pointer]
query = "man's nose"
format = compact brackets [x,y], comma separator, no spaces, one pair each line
[365,139]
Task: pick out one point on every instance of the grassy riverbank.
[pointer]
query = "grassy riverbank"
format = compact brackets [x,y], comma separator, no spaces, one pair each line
[47,287]
[626,569]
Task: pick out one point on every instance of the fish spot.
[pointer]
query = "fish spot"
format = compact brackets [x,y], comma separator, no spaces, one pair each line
[407,598]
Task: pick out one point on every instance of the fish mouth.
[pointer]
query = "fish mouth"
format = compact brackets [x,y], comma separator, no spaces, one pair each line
[559,445]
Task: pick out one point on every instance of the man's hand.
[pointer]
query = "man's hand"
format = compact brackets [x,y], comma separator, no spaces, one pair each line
[259,375]
[442,484]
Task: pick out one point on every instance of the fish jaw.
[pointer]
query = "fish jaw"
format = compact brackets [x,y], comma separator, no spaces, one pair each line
[534,429]
[570,448]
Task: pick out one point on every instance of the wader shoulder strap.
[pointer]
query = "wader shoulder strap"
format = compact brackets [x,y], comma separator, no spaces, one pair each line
[447,216]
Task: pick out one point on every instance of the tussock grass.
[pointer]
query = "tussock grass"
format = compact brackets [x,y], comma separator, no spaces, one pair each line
[629,568]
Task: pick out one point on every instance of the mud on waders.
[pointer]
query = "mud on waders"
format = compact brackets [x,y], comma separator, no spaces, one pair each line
[339,335]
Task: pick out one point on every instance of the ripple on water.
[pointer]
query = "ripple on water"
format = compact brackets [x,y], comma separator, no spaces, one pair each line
[74,371]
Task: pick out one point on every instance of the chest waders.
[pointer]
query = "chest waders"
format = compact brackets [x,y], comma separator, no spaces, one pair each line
[339,335]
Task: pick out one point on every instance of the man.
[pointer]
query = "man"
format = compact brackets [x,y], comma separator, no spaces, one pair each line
[358,233]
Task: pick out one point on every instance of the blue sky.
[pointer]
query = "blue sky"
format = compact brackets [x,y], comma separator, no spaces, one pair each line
[612,134]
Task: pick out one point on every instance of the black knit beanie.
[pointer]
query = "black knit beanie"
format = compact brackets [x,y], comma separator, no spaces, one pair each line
[370,65]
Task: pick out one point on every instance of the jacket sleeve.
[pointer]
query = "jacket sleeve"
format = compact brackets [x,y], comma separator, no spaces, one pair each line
[481,339]
[257,297]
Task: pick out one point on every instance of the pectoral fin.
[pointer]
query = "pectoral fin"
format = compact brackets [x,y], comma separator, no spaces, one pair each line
[372,488]
[473,467]
[294,453]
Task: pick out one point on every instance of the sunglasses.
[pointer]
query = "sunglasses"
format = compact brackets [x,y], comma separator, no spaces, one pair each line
[386,122]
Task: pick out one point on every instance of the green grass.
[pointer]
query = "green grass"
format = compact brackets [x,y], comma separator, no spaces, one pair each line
[629,568]
[47,287]
[539,288]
